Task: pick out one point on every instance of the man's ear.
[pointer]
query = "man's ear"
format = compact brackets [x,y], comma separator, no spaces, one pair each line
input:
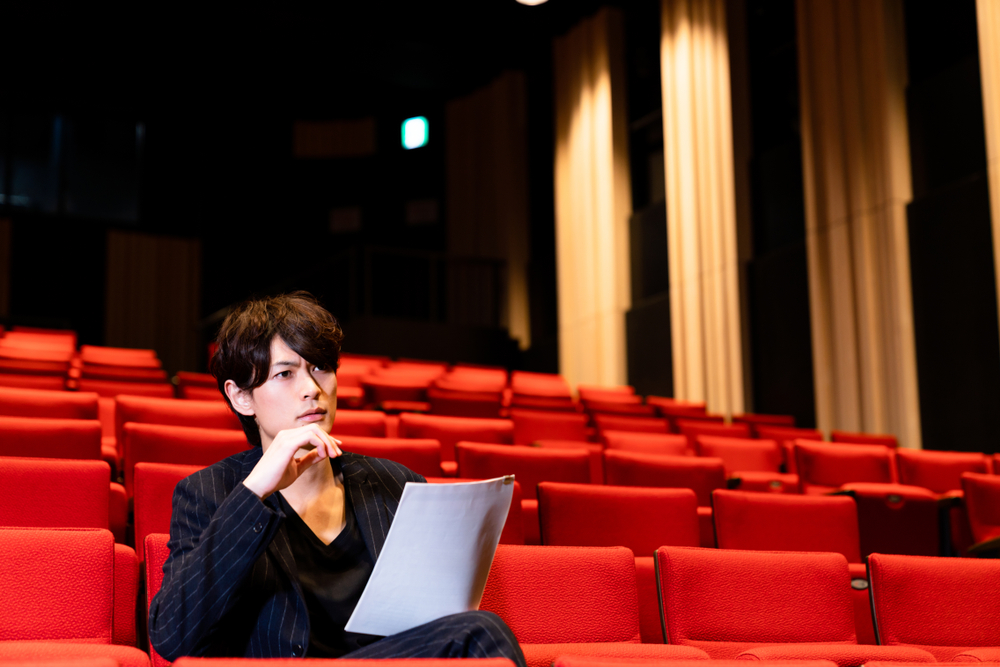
[241,400]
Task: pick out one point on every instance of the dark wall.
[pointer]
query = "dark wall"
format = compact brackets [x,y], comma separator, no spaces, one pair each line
[951,245]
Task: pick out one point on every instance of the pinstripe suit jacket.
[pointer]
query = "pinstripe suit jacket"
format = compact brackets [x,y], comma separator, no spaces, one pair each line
[230,586]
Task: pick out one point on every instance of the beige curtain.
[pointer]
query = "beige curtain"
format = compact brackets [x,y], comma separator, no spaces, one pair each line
[856,165]
[701,205]
[592,199]
[154,295]
[988,19]
[4,267]
[487,189]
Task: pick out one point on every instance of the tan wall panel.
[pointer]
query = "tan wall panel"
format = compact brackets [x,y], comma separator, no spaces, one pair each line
[988,21]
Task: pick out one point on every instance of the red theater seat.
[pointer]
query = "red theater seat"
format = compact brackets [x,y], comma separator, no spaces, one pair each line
[114,388]
[756,463]
[48,404]
[702,475]
[864,438]
[896,519]
[529,465]
[639,519]
[753,604]
[764,420]
[669,407]
[664,444]
[154,492]
[941,472]
[421,456]
[944,605]
[156,443]
[569,601]
[26,381]
[824,467]
[787,436]
[693,428]
[61,595]
[766,522]
[50,438]
[172,412]
[449,430]
[339,662]
[484,404]
[366,423]
[533,425]
[595,450]
[157,552]
[982,504]
[605,422]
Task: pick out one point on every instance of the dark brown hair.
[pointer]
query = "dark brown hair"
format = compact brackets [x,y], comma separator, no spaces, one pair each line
[244,343]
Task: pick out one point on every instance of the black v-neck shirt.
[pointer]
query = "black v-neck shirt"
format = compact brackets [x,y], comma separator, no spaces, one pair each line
[332,577]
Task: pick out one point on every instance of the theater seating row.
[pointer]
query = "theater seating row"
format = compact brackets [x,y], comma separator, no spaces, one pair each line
[567,602]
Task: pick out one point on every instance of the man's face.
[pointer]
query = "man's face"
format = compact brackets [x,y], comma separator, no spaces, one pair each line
[294,394]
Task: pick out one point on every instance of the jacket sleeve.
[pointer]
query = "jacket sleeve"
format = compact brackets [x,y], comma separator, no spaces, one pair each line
[214,542]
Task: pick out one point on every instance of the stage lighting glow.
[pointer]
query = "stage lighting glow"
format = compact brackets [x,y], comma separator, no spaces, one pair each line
[415,132]
[532,3]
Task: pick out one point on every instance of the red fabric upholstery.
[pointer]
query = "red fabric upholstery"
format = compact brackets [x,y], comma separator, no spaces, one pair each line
[551,385]
[786,433]
[766,522]
[189,379]
[48,404]
[574,661]
[940,472]
[482,404]
[329,662]
[741,454]
[26,381]
[69,654]
[767,482]
[528,402]
[943,605]
[765,420]
[666,444]
[420,456]
[119,356]
[154,492]
[595,451]
[693,428]
[553,595]
[449,430]
[669,407]
[640,519]
[197,393]
[513,528]
[843,656]
[823,467]
[126,595]
[639,655]
[366,423]
[864,438]
[51,493]
[979,655]
[123,373]
[605,422]
[533,425]
[395,387]
[601,392]
[635,409]
[116,388]
[682,472]
[157,443]
[529,465]
[58,585]
[725,601]
[896,519]
[50,438]
[118,511]
[156,555]
[146,410]
[982,504]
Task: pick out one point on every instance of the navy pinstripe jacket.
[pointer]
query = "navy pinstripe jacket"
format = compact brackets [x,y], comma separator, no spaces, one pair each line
[230,586]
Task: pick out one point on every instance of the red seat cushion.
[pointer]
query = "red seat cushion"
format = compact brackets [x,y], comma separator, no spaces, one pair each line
[70,654]
[940,472]
[842,655]
[639,655]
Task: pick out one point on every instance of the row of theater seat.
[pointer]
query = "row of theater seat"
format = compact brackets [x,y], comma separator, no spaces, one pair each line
[569,601]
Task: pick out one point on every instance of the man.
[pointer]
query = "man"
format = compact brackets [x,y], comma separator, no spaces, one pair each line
[270,549]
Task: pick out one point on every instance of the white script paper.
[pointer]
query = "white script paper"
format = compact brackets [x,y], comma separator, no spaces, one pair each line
[436,557]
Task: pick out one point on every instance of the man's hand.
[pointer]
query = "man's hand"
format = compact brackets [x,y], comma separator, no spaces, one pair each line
[279,467]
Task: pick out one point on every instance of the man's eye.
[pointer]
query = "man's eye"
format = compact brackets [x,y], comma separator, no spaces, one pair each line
[320,369]
[283,374]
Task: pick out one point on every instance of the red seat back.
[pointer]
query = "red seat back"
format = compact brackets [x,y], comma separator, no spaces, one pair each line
[778,522]
[50,438]
[550,595]
[982,503]
[154,491]
[692,429]
[529,465]
[603,516]
[173,412]
[47,404]
[58,585]
[742,454]
[665,444]
[421,456]
[765,420]
[864,438]
[38,382]
[541,385]
[606,422]
[366,423]
[786,433]
[823,467]
[725,601]
[450,430]
[156,555]
[52,493]
[484,404]
[940,472]
[156,443]
[682,472]
[631,409]
[943,605]
[533,425]
[114,388]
